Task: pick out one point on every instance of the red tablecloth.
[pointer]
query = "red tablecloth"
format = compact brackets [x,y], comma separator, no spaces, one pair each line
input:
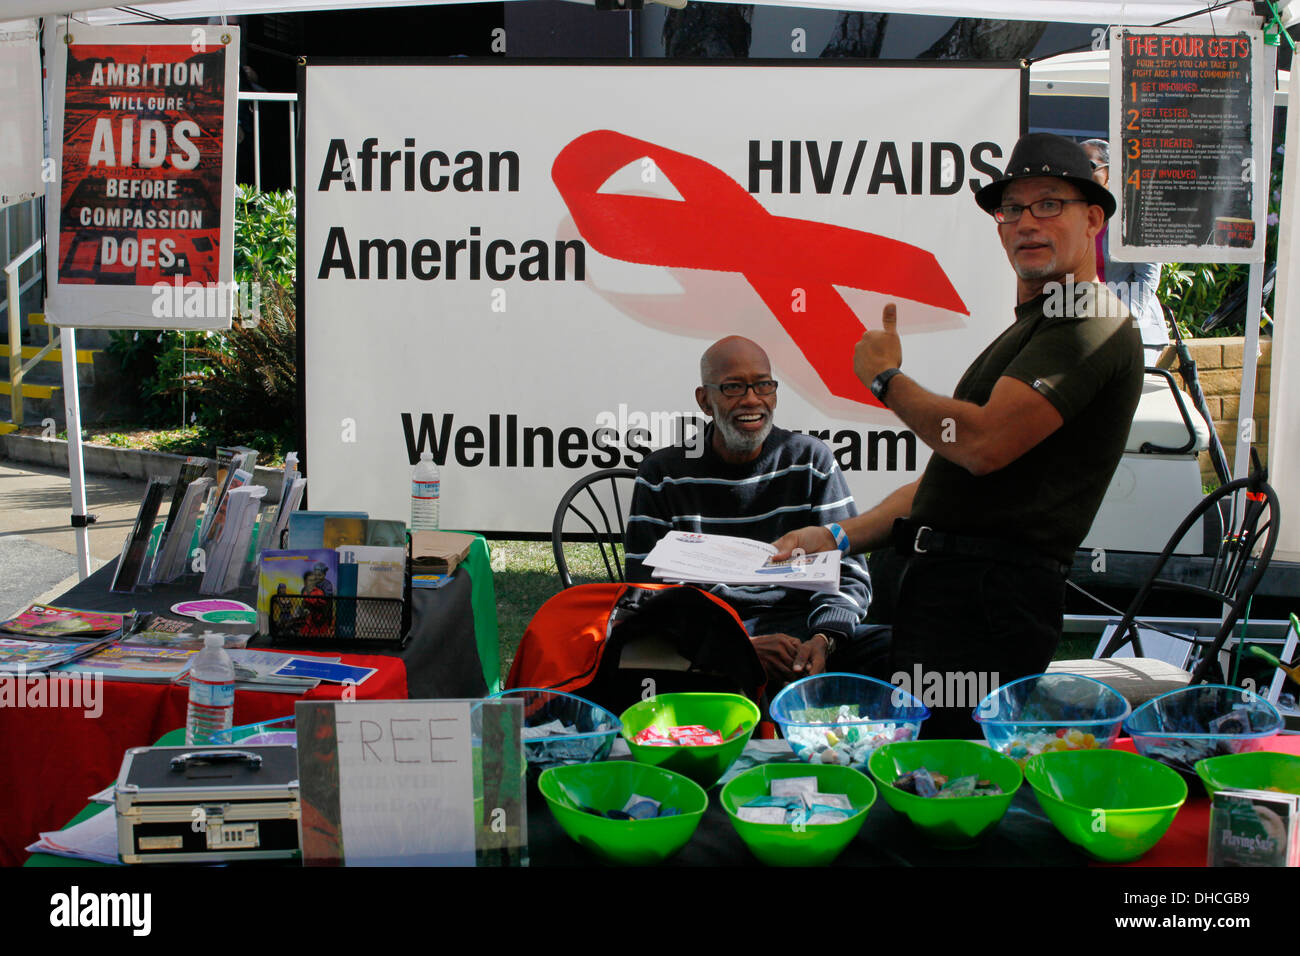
[53,758]
[1187,842]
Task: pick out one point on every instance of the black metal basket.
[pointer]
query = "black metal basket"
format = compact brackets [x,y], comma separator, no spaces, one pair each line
[329,621]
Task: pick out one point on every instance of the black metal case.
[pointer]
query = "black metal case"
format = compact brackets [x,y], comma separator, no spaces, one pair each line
[207,804]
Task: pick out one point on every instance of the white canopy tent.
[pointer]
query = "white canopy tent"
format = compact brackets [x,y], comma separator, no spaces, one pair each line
[1066,76]
[1119,12]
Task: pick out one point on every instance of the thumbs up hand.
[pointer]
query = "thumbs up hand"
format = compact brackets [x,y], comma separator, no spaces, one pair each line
[877,351]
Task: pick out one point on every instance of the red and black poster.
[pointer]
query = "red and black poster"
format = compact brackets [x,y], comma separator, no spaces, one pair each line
[1188,166]
[145,123]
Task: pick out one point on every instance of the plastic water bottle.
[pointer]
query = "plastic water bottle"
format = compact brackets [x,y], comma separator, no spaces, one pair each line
[212,692]
[425,488]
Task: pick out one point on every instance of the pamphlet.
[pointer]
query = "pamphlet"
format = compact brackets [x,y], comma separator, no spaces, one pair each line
[132,563]
[1254,828]
[721,559]
[306,580]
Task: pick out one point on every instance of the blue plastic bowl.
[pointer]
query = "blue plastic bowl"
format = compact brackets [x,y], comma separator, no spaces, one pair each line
[841,718]
[1044,713]
[592,737]
[1190,724]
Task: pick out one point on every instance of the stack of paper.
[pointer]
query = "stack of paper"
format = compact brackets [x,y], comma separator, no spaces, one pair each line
[94,838]
[228,556]
[256,670]
[175,549]
[45,636]
[721,559]
[148,665]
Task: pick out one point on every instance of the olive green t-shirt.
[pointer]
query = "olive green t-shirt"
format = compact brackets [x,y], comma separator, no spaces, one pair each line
[1088,364]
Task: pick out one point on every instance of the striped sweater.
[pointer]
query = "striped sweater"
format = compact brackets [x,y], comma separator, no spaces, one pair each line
[793,483]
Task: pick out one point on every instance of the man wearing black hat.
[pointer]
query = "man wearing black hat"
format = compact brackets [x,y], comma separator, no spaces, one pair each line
[1024,450]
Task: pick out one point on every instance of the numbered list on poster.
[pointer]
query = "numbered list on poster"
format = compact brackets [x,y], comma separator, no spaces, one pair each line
[1187,146]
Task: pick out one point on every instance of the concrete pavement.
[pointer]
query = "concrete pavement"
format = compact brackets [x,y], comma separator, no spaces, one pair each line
[37,546]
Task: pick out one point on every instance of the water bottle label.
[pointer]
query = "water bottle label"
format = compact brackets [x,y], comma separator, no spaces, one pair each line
[425,489]
[210,694]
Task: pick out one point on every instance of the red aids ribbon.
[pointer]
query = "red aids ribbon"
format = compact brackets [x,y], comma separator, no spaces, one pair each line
[721,227]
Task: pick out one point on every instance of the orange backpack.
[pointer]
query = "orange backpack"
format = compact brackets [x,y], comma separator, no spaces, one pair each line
[616,644]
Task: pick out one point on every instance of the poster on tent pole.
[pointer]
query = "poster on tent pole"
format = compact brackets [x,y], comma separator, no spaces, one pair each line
[140,220]
[1189,161]
[517,267]
[21,149]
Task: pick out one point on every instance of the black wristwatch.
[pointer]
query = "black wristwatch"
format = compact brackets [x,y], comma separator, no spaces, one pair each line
[830,643]
[880,384]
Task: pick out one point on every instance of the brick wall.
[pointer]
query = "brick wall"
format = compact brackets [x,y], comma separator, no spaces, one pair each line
[1219,366]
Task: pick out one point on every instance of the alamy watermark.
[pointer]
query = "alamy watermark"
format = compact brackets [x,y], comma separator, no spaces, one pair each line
[636,429]
[40,690]
[1070,299]
[956,689]
[208,300]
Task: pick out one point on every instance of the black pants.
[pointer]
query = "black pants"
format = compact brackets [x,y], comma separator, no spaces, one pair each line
[964,626]
[867,653]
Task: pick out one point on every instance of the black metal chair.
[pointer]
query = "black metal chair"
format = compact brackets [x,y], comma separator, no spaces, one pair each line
[1247,514]
[600,502]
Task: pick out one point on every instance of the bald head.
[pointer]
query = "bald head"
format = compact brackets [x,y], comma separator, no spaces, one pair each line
[733,351]
[741,422]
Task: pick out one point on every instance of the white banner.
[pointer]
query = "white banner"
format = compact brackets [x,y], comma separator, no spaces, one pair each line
[21,149]
[140,221]
[517,267]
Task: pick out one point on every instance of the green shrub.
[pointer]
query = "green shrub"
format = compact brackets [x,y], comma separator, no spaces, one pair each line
[173,371]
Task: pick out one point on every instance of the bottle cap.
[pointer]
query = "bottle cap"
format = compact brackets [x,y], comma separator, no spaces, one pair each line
[214,640]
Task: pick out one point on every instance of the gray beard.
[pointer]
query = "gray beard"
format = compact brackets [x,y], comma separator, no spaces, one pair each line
[742,442]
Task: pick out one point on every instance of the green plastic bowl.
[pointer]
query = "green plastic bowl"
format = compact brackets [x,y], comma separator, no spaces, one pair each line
[1260,770]
[607,786]
[782,844]
[1113,804]
[951,822]
[725,713]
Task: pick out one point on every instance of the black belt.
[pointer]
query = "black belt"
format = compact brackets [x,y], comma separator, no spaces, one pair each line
[910,537]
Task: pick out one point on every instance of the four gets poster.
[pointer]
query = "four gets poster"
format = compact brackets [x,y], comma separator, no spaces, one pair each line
[141,219]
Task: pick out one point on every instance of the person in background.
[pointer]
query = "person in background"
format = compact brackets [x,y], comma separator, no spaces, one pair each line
[1135,283]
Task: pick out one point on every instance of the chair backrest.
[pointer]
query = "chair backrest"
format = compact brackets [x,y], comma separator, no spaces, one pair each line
[1250,514]
[594,509]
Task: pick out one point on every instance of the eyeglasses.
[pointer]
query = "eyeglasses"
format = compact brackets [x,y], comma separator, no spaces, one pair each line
[1043,209]
[1096,165]
[737,389]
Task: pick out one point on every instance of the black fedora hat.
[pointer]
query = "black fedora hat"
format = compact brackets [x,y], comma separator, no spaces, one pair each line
[1046,154]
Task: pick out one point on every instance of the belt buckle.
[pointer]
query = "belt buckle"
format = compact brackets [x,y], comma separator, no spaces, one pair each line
[916,542]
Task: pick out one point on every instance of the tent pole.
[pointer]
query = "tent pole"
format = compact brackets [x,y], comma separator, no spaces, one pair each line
[76,469]
[1254,293]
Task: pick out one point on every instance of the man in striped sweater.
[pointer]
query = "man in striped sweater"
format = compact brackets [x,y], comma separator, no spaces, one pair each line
[753,480]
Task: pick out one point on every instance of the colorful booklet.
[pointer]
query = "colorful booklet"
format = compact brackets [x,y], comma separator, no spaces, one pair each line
[151,665]
[178,635]
[308,579]
[17,655]
[64,623]
[381,533]
[307,528]
[1254,828]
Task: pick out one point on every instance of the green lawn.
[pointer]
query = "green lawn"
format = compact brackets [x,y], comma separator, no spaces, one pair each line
[524,575]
